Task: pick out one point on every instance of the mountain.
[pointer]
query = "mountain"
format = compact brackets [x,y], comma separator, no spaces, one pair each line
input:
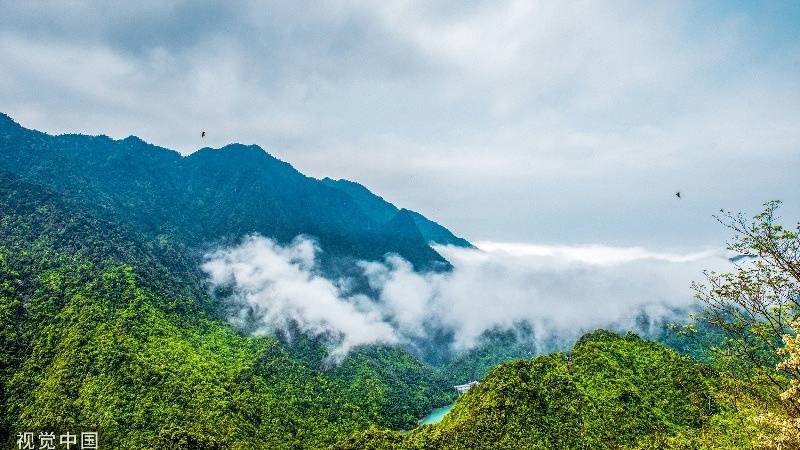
[106,320]
[215,194]
[382,211]
[103,327]
[609,392]
[107,323]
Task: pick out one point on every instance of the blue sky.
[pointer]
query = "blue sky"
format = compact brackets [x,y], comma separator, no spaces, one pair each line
[525,121]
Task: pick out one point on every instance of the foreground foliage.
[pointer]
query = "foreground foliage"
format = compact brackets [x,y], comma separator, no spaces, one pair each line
[756,308]
[609,392]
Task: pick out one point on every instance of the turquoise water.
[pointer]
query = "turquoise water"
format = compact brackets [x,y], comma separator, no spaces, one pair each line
[436,415]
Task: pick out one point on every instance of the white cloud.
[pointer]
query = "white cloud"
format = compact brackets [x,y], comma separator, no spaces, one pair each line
[276,286]
[600,255]
[560,290]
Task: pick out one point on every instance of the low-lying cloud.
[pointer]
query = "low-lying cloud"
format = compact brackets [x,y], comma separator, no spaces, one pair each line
[276,287]
[558,290]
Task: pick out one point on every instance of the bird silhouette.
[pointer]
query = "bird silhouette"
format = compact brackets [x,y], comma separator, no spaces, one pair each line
[202,134]
[678,194]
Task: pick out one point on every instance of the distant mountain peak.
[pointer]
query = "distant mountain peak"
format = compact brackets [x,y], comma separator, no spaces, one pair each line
[217,194]
[238,147]
[240,157]
[134,139]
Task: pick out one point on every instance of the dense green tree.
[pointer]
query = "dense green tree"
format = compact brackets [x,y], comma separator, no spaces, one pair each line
[103,327]
[608,392]
[755,304]
[754,307]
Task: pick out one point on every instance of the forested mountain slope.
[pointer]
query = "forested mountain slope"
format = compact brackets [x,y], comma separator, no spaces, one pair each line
[382,211]
[608,392]
[103,328]
[209,195]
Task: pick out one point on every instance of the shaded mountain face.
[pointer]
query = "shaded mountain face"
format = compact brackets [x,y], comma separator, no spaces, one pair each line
[382,211]
[214,195]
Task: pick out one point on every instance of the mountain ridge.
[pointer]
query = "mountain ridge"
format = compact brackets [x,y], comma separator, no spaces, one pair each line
[382,210]
[221,193]
[125,337]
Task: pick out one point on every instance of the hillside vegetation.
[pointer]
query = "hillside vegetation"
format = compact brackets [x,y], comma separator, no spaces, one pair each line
[610,391]
[216,194]
[101,328]
[108,324]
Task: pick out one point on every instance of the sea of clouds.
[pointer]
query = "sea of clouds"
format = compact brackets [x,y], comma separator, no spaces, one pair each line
[558,290]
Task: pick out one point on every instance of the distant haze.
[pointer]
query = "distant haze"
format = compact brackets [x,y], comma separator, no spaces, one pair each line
[511,121]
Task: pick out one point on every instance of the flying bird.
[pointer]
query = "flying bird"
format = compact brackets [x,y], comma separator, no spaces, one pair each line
[678,194]
[202,134]
[738,258]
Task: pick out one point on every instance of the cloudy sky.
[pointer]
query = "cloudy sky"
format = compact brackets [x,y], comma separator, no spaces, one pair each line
[516,121]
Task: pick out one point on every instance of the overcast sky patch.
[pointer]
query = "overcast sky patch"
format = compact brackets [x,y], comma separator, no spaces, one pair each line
[521,121]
